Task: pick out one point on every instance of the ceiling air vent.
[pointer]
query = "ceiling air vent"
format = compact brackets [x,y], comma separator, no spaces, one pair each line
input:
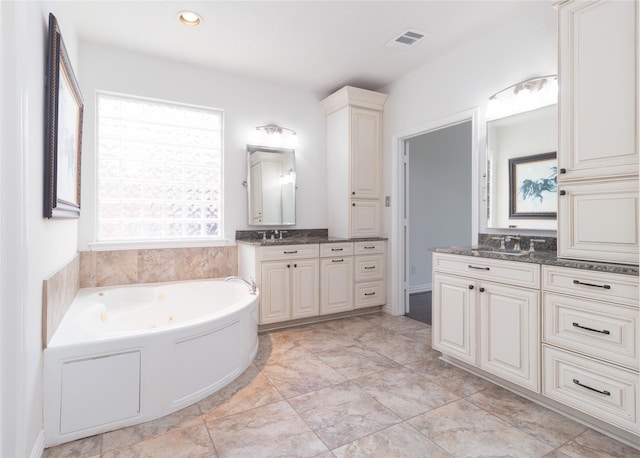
[406,39]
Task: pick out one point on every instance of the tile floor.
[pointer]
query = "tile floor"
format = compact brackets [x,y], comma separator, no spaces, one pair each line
[368,386]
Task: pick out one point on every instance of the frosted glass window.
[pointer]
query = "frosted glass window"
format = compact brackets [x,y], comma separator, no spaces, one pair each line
[159,170]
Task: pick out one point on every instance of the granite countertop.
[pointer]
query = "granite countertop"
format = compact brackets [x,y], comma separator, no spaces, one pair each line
[539,257]
[295,240]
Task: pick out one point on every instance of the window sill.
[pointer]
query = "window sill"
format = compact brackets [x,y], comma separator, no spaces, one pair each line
[158,244]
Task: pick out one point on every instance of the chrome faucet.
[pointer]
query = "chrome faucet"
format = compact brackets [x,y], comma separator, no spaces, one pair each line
[532,249]
[516,243]
[253,288]
[502,239]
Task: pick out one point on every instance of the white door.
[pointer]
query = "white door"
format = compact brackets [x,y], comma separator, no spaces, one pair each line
[365,218]
[454,317]
[366,153]
[509,323]
[305,288]
[275,295]
[336,291]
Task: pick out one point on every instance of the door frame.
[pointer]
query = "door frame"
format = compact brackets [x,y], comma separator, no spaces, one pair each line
[400,187]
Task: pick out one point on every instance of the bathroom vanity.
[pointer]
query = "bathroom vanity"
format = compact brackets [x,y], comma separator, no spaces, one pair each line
[561,332]
[302,279]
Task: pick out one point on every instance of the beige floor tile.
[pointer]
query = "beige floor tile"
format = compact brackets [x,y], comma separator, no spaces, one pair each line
[342,414]
[463,429]
[403,325]
[401,349]
[192,442]
[355,361]
[182,419]
[250,390]
[296,376]
[592,444]
[456,380]
[398,441]
[405,392]
[83,448]
[276,345]
[272,430]
[537,421]
[319,340]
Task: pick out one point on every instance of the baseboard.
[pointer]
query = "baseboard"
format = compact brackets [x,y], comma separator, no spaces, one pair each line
[420,288]
[38,446]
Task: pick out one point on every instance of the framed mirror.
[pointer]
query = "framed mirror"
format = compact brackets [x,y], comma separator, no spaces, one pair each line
[522,170]
[271,182]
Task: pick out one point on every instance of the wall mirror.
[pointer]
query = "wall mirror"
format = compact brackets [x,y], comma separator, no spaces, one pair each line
[271,182]
[522,170]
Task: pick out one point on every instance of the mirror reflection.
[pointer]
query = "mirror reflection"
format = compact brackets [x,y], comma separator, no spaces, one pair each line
[271,178]
[522,170]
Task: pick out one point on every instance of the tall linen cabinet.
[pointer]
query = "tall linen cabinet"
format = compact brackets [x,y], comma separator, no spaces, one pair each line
[598,143]
[354,162]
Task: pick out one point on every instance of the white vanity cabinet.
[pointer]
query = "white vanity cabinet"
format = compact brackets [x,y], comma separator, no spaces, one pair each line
[336,277]
[354,162]
[370,261]
[288,277]
[486,313]
[590,343]
[598,141]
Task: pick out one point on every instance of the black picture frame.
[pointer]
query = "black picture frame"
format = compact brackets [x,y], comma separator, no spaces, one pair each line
[533,186]
[63,139]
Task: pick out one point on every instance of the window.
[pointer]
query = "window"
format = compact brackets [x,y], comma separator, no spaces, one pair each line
[159,170]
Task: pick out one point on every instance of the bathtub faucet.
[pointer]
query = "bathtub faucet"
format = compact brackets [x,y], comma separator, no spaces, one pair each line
[250,283]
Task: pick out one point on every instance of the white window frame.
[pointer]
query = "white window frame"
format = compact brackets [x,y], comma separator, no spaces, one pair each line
[108,245]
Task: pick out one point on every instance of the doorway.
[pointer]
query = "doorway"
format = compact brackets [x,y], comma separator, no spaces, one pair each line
[439,182]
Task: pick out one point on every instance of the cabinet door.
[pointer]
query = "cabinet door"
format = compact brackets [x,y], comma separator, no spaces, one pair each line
[365,218]
[509,323]
[597,67]
[599,221]
[305,288]
[275,294]
[336,291]
[365,153]
[454,320]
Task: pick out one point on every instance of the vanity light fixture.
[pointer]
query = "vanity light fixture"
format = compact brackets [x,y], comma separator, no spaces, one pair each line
[275,136]
[190,18]
[524,96]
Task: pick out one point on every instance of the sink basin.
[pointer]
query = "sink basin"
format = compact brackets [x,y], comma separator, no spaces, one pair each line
[504,253]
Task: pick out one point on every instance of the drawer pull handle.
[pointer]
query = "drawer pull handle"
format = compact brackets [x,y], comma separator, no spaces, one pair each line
[479,268]
[369,267]
[369,294]
[605,392]
[604,331]
[337,260]
[337,249]
[369,247]
[291,252]
[578,282]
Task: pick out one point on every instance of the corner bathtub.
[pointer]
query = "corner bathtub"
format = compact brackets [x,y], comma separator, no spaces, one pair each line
[126,355]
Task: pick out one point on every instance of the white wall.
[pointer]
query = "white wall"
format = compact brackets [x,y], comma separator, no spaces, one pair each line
[439,197]
[459,81]
[247,103]
[32,247]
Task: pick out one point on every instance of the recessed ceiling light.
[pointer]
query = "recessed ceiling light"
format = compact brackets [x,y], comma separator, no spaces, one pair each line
[189,18]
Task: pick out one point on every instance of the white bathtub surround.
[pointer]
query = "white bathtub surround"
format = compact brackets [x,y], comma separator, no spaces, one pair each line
[127,267]
[58,292]
[127,355]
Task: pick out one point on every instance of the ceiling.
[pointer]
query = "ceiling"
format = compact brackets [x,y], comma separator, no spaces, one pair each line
[315,45]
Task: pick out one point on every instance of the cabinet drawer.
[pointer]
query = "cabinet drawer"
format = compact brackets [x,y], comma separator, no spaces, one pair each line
[369,268]
[511,272]
[289,252]
[370,294]
[622,289]
[372,247]
[605,331]
[328,250]
[604,391]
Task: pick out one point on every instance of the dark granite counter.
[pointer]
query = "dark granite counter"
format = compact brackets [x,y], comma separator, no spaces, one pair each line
[295,237]
[539,257]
